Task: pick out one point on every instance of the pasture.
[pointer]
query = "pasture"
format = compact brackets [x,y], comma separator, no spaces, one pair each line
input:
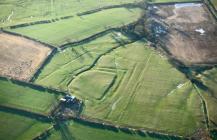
[214,2]
[86,84]
[75,130]
[68,63]
[209,79]
[31,56]
[18,127]
[148,92]
[79,27]
[26,98]
[17,12]
[121,79]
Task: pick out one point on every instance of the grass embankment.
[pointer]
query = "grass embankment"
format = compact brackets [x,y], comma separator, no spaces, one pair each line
[148,92]
[27,99]
[78,28]
[65,65]
[17,12]
[79,131]
[16,127]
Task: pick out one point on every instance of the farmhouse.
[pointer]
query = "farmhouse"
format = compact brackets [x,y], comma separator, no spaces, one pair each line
[70,100]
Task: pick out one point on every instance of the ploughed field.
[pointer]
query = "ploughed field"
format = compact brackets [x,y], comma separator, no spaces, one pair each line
[189,38]
[20,57]
[128,77]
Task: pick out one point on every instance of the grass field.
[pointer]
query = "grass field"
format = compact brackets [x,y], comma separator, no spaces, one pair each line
[121,79]
[16,127]
[91,88]
[148,92]
[78,28]
[74,130]
[26,98]
[17,12]
[74,59]
[209,78]
[214,3]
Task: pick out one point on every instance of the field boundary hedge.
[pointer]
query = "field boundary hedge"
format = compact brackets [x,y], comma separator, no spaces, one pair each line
[211,8]
[97,35]
[43,64]
[126,129]
[43,135]
[25,113]
[29,38]
[34,86]
[129,5]
[38,22]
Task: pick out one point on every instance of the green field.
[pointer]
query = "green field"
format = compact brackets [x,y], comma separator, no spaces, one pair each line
[88,86]
[148,92]
[17,127]
[214,2]
[74,59]
[209,79]
[78,28]
[26,98]
[16,12]
[75,130]
[119,77]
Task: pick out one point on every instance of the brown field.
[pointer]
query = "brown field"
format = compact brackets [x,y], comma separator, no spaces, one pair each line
[182,40]
[20,57]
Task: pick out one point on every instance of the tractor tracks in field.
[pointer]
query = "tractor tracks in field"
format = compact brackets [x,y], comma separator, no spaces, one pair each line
[136,86]
[204,106]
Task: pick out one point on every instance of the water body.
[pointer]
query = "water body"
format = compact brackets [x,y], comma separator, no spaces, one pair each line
[181,5]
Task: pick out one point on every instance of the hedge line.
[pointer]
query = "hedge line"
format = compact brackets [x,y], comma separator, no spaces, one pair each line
[38,22]
[126,129]
[130,5]
[211,8]
[26,37]
[34,86]
[25,113]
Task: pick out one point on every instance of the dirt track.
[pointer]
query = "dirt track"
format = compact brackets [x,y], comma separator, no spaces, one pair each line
[184,38]
[20,57]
